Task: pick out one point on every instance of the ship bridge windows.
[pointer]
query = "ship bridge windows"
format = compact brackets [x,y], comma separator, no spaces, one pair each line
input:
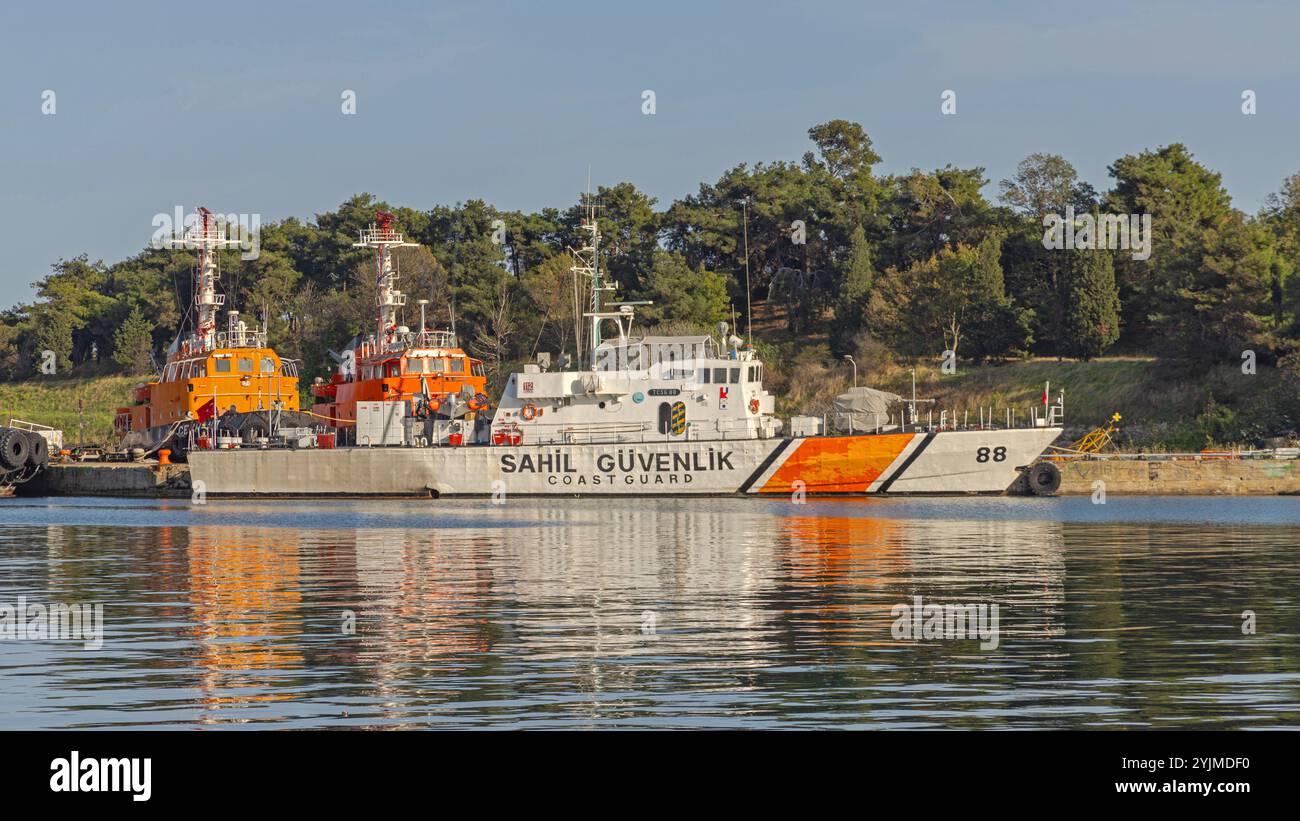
[245,364]
[735,376]
[393,368]
[268,365]
[222,366]
[457,365]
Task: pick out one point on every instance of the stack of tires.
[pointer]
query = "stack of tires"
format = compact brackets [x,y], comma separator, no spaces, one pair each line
[22,452]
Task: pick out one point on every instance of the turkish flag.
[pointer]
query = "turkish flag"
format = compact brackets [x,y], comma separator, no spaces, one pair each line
[207,410]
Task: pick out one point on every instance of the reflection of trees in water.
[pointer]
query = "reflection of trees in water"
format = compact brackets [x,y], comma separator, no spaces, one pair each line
[1159,609]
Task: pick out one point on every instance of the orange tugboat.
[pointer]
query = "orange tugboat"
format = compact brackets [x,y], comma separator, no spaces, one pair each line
[230,376]
[395,364]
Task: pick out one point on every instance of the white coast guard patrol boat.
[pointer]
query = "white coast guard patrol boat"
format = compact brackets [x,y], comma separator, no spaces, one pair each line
[649,415]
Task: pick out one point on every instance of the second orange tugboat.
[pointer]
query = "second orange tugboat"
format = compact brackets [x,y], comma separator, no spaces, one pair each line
[395,364]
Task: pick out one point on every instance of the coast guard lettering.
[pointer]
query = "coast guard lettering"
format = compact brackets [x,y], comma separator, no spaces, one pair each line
[626,465]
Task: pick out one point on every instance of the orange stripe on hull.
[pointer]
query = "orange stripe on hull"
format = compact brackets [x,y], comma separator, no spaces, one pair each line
[837,464]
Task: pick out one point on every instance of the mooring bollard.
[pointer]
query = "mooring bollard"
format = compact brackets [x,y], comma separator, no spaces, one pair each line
[164,457]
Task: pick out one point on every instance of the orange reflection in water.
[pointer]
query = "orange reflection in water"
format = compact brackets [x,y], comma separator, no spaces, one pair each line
[837,562]
[244,586]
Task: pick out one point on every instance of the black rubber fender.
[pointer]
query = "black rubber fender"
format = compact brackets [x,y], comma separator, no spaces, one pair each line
[38,453]
[14,448]
[1044,479]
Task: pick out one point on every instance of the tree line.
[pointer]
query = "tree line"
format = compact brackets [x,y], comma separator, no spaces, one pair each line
[838,253]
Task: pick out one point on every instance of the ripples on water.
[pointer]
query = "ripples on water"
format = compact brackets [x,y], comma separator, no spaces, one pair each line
[654,613]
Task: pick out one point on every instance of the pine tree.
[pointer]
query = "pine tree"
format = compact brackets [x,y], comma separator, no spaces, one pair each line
[988,266]
[132,343]
[997,326]
[680,294]
[53,332]
[1092,305]
[854,288]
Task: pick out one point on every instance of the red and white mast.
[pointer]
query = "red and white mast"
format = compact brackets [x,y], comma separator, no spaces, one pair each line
[383,238]
[208,236]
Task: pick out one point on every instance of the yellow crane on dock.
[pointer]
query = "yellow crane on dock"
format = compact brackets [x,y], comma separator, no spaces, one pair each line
[1098,438]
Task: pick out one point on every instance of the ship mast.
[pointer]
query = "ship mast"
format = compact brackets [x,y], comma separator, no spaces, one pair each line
[207,235]
[587,263]
[383,238]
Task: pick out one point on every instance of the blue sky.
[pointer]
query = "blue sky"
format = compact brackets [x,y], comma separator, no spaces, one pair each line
[240,110]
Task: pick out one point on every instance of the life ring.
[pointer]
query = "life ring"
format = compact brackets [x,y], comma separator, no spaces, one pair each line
[753,406]
[528,412]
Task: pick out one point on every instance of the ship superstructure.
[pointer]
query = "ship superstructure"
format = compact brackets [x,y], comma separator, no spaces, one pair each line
[637,389]
[210,373]
[425,367]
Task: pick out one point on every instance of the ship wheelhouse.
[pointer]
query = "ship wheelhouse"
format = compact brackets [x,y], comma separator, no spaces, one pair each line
[650,389]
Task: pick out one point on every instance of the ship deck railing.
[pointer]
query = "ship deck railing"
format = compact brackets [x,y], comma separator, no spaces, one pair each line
[412,339]
[618,432]
[983,418]
[241,339]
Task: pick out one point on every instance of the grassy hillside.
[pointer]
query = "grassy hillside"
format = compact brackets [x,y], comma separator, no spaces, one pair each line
[53,401]
[1161,405]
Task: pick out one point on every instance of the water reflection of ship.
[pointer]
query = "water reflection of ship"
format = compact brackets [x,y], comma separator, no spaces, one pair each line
[730,592]
[416,600]
[245,585]
[672,573]
[379,605]
[1017,564]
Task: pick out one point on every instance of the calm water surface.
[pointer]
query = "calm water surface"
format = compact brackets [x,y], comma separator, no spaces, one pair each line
[654,613]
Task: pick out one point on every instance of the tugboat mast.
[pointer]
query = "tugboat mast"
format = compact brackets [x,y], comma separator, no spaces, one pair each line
[207,236]
[381,236]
